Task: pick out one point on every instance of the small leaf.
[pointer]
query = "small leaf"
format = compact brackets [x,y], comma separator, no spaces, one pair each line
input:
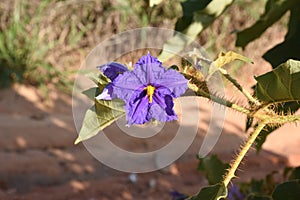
[280,84]
[225,58]
[213,192]
[288,191]
[91,93]
[99,79]
[99,116]
[213,168]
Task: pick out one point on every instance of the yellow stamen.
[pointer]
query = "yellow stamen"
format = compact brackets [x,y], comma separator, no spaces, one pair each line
[150,91]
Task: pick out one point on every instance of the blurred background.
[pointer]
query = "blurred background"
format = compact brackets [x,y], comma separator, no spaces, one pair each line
[42,45]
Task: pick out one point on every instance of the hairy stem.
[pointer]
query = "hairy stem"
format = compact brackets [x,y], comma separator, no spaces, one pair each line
[239,87]
[245,148]
[220,100]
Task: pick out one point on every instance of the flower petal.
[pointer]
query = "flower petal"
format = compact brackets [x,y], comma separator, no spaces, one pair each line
[125,85]
[174,81]
[147,59]
[106,93]
[162,108]
[112,70]
[137,109]
[147,67]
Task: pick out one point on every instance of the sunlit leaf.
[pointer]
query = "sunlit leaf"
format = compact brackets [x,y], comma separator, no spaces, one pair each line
[100,79]
[288,191]
[197,15]
[225,58]
[214,192]
[99,116]
[281,84]
[213,168]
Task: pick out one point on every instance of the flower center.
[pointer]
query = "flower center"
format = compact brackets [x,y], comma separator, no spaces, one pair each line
[150,91]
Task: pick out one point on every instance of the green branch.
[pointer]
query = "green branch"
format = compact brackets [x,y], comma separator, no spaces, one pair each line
[245,148]
[219,100]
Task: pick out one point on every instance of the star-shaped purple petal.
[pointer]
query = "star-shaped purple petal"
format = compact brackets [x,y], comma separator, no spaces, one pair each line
[148,91]
[111,70]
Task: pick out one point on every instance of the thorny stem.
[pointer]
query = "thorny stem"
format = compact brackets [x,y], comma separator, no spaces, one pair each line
[224,102]
[239,87]
[265,118]
[246,147]
[234,165]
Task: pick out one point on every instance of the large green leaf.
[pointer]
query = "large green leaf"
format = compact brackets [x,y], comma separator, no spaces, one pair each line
[287,191]
[213,192]
[99,116]
[213,168]
[274,10]
[197,15]
[281,84]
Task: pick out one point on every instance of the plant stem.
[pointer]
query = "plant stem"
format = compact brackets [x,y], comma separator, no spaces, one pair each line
[239,87]
[221,101]
[245,148]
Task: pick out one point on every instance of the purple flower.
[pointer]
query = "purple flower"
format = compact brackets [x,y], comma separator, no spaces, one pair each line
[111,70]
[148,91]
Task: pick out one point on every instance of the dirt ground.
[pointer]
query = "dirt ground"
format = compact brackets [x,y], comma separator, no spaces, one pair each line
[39,160]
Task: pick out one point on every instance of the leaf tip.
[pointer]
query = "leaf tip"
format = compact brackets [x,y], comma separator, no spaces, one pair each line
[78,140]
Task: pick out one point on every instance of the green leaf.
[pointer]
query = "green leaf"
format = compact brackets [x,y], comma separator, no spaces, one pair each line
[274,10]
[281,84]
[99,116]
[290,47]
[287,191]
[213,168]
[197,15]
[99,79]
[91,93]
[213,192]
